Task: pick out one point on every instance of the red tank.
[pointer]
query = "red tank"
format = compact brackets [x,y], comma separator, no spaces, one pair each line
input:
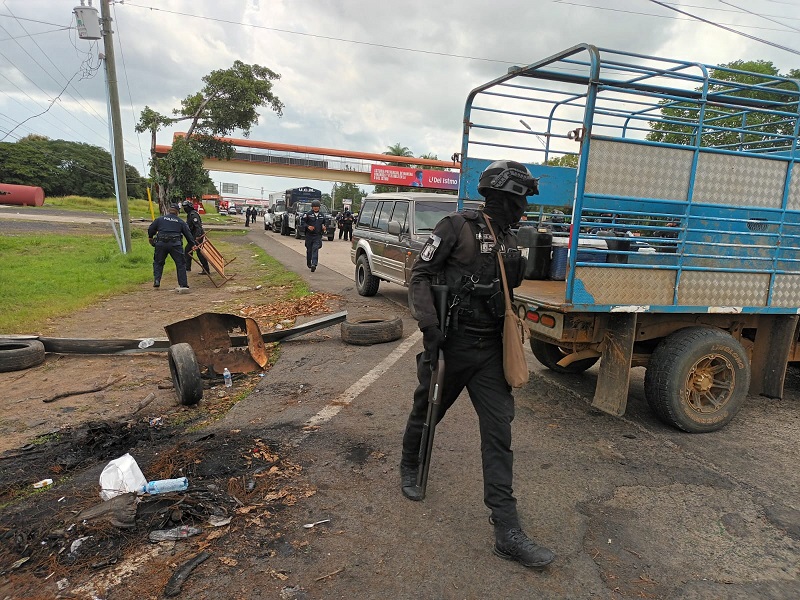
[21,195]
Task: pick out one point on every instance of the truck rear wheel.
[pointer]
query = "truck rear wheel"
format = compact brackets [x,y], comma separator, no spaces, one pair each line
[297,234]
[697,379]
[550,354]
[284,226]
[366,283]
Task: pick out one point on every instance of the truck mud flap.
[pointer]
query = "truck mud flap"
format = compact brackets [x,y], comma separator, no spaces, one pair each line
[611,394]
[771,349]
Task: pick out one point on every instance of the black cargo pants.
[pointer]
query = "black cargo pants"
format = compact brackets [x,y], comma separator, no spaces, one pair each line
[474,362]
[175,250]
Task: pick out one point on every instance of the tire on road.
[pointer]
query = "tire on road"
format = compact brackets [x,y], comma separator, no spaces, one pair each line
[369,331]
[697,379]
[284,226]
[16,355]
[550,354]
[366,283]
[185,374]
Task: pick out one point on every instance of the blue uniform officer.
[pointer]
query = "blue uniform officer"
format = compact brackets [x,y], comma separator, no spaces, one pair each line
[165,234]
[315,225]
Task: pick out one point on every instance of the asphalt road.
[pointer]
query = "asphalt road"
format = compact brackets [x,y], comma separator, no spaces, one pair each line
[633,508]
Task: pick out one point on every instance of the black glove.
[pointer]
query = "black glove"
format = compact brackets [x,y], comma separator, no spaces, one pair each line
[153,242]
[432,340]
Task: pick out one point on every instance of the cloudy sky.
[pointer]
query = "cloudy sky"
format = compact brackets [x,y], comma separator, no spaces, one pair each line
[355,74]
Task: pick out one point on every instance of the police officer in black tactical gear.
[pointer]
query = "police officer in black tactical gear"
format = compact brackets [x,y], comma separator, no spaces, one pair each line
[462,253]
[195,224]
[165,235]
[315,225]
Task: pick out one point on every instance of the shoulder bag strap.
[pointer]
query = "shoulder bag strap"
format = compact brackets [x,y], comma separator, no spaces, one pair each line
[502,265]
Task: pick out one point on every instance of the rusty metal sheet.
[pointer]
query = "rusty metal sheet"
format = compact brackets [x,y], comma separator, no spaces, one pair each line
[209,335]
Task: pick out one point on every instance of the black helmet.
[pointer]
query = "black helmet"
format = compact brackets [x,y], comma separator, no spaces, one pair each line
[315,203]
[508,176]
[174,207]
[188,205]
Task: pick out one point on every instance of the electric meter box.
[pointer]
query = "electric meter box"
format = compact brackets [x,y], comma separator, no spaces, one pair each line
[88,22]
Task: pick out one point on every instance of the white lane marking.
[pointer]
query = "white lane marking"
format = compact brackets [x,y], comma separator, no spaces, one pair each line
[351,393]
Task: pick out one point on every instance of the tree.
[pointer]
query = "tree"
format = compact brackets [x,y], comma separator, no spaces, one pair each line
[567,160]
[398,150]
[676,113]
[64,168]
[228,101]
[347,191]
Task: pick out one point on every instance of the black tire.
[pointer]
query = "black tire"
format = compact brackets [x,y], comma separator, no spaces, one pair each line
[16,355]
[297,234]
[697,379]
[185,374]
[368,331]
[284,226]
[366,283]
[330,237]
[550,354]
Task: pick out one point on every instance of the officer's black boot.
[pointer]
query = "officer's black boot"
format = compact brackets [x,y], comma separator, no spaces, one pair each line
[513,544]
[408,483]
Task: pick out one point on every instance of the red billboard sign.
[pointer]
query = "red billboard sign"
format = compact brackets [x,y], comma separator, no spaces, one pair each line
[410,177]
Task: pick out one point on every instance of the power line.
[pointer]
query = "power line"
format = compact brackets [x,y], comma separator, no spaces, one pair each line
[128,85]
[729,29]
[87,72]
[758,15]
[36,21]
[52,102]
[323,37]
[647,14]
[30,35]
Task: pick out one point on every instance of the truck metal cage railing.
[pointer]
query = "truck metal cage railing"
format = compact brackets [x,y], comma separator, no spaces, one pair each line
[675,179]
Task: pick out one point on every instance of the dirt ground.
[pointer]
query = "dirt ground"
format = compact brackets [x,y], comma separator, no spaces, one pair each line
[67,439]
[632,508]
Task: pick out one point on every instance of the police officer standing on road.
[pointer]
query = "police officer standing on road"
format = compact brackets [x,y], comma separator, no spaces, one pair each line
[247,214]
[462,253]
[195,224]
[165,236]
[314,224]
[347,224]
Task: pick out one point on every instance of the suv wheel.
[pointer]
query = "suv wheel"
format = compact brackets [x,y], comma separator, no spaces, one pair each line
[366,283]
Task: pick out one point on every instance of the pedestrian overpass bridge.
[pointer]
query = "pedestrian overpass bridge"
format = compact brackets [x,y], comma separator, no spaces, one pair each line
[306,162]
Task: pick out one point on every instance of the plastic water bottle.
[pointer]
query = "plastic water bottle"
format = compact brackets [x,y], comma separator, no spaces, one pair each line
[163,486]
[226,375]
[176,533]
[146,343]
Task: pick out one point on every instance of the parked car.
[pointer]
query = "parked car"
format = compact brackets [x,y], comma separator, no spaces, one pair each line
[232,210]
[390,232]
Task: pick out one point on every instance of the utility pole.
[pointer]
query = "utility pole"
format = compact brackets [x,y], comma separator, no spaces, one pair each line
[116,127]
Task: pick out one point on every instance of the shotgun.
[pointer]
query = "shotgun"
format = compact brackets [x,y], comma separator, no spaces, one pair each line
[434,395]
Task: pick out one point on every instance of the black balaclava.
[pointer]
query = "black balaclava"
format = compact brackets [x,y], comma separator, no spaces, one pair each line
[505,208]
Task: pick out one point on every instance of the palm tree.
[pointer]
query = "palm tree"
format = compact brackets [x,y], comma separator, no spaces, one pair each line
[399,150]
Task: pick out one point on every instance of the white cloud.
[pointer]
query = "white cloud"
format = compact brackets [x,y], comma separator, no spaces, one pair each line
[340,94]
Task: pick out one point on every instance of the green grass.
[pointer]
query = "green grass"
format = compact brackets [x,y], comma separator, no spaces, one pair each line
[138,209]
[42,277]
[45,277]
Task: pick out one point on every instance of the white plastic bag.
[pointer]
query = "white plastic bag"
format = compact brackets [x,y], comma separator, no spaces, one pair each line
[120,476]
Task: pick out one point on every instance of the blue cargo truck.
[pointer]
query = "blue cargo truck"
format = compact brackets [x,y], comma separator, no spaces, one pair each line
[667,229]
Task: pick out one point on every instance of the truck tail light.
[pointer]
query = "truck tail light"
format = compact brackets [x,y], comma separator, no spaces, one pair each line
[548,320]
[532,316]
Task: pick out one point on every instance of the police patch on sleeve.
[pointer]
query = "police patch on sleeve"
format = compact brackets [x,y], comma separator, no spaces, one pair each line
[430,247]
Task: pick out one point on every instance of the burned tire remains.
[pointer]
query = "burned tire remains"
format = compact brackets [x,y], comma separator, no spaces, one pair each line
[368,331]
[16,355]
[185,374]
[697,379]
